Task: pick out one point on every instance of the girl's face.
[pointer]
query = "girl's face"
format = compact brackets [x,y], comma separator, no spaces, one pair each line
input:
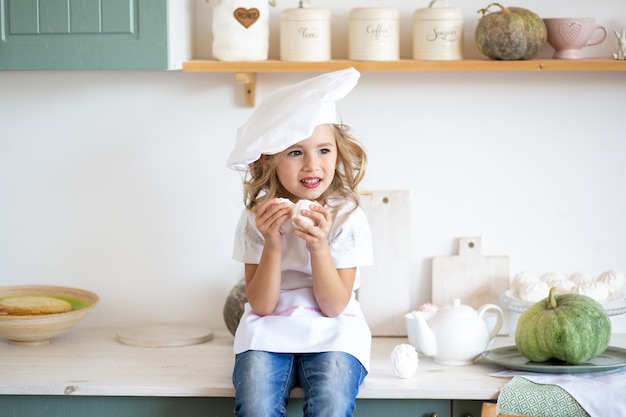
[307,168]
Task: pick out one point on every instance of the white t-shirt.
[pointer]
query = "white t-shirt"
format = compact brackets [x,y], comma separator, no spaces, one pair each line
[297,325]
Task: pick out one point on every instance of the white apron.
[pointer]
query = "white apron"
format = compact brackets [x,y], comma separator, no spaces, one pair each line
[297,325]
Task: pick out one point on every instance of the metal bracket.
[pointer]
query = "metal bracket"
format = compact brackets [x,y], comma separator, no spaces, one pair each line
[248,79]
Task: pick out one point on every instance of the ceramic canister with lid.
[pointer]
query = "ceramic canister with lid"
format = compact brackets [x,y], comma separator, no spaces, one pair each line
[374,34]
[305,34]
[438,33]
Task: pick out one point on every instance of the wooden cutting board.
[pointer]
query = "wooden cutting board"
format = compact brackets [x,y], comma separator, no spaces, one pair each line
[165,335]
[473,278]
[385,287]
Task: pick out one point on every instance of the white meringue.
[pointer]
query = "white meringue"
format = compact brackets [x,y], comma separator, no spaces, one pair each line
[522,278]
[285,200]
[553,279]
[599,291]
[581,278]
[404,360]
[564,287]
[428,308]
[533,291]
[605,287]
[558,281]
[613,278]
[287,225]
[296,212]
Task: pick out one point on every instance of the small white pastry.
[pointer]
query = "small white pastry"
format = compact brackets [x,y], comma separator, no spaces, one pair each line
[565,287]
[599,291]
[285,200]
[533,291]
[581,278]
[559,281]
[553,279]
[613,278]
[297,211]
[428,308]
[522,278]
[404,360]
[287,225]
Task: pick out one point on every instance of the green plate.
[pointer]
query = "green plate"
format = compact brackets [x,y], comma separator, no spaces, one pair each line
[509,357]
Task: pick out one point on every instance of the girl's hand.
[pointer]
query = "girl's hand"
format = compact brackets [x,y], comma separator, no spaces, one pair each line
[316,234]
[270,216]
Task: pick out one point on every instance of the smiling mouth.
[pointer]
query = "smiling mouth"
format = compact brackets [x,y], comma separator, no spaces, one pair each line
[311,182]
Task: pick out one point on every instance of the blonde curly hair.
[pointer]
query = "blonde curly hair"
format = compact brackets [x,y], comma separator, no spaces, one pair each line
[261,182]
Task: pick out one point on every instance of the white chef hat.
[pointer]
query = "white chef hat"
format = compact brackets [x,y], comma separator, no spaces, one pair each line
[290,115]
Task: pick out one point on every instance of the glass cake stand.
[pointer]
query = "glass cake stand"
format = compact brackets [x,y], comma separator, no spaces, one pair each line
[614,306]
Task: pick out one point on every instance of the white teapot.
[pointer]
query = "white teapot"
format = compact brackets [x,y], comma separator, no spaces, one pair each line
[456,334]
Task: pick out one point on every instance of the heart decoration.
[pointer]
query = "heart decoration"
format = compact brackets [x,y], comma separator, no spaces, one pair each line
[246,16]
[570,31]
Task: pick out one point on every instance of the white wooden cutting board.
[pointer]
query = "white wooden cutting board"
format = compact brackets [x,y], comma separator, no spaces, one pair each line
[385,287]
[473,278]
[165,335]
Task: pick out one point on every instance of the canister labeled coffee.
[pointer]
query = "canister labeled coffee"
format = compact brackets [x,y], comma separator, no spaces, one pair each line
[438,33]
[374,34]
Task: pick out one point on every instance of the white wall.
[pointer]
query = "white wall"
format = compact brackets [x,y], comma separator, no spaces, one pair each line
[114,181]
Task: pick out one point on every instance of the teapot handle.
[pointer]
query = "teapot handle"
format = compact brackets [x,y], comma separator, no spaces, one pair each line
[499,321]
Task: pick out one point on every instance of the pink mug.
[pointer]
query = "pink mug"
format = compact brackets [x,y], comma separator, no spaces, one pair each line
[569,35]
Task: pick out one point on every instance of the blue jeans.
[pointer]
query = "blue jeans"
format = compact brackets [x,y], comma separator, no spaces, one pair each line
[263,381]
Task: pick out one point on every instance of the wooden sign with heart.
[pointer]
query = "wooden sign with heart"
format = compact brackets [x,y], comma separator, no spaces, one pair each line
[246,16]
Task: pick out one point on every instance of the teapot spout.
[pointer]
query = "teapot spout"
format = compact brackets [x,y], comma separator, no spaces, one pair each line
[425,335]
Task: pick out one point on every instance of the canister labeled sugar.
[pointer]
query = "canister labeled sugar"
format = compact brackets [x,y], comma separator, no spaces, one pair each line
[438,33]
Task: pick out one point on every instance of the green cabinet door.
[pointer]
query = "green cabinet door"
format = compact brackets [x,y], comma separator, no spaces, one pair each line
[467,408]
[83,34]
[370,407]
[79,406]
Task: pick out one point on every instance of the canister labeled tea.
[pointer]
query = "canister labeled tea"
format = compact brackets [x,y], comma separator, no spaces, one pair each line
[438,33]
[305,34]
[374,34]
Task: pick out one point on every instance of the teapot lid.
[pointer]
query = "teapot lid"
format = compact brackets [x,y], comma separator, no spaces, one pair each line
[457,310]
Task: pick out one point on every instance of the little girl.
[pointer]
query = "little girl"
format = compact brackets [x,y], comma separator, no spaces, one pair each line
[302,324]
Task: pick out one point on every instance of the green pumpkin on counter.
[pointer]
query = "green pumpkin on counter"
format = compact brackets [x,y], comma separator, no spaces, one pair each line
[571,327]
[512,33]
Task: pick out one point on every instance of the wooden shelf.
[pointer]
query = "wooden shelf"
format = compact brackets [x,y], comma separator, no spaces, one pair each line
[246,71]
[408,65]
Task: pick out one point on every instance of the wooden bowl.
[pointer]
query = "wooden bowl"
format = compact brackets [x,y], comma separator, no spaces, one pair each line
[43,328]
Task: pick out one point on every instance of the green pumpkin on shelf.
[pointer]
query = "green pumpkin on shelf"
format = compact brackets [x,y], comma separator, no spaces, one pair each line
[512,33]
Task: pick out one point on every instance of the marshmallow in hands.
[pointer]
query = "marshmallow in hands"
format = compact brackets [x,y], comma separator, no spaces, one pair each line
[296,212]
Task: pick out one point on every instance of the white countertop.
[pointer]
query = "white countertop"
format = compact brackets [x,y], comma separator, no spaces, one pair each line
[90,361]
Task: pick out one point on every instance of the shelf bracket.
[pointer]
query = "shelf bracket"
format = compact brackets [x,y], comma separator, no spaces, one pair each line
[248,79]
